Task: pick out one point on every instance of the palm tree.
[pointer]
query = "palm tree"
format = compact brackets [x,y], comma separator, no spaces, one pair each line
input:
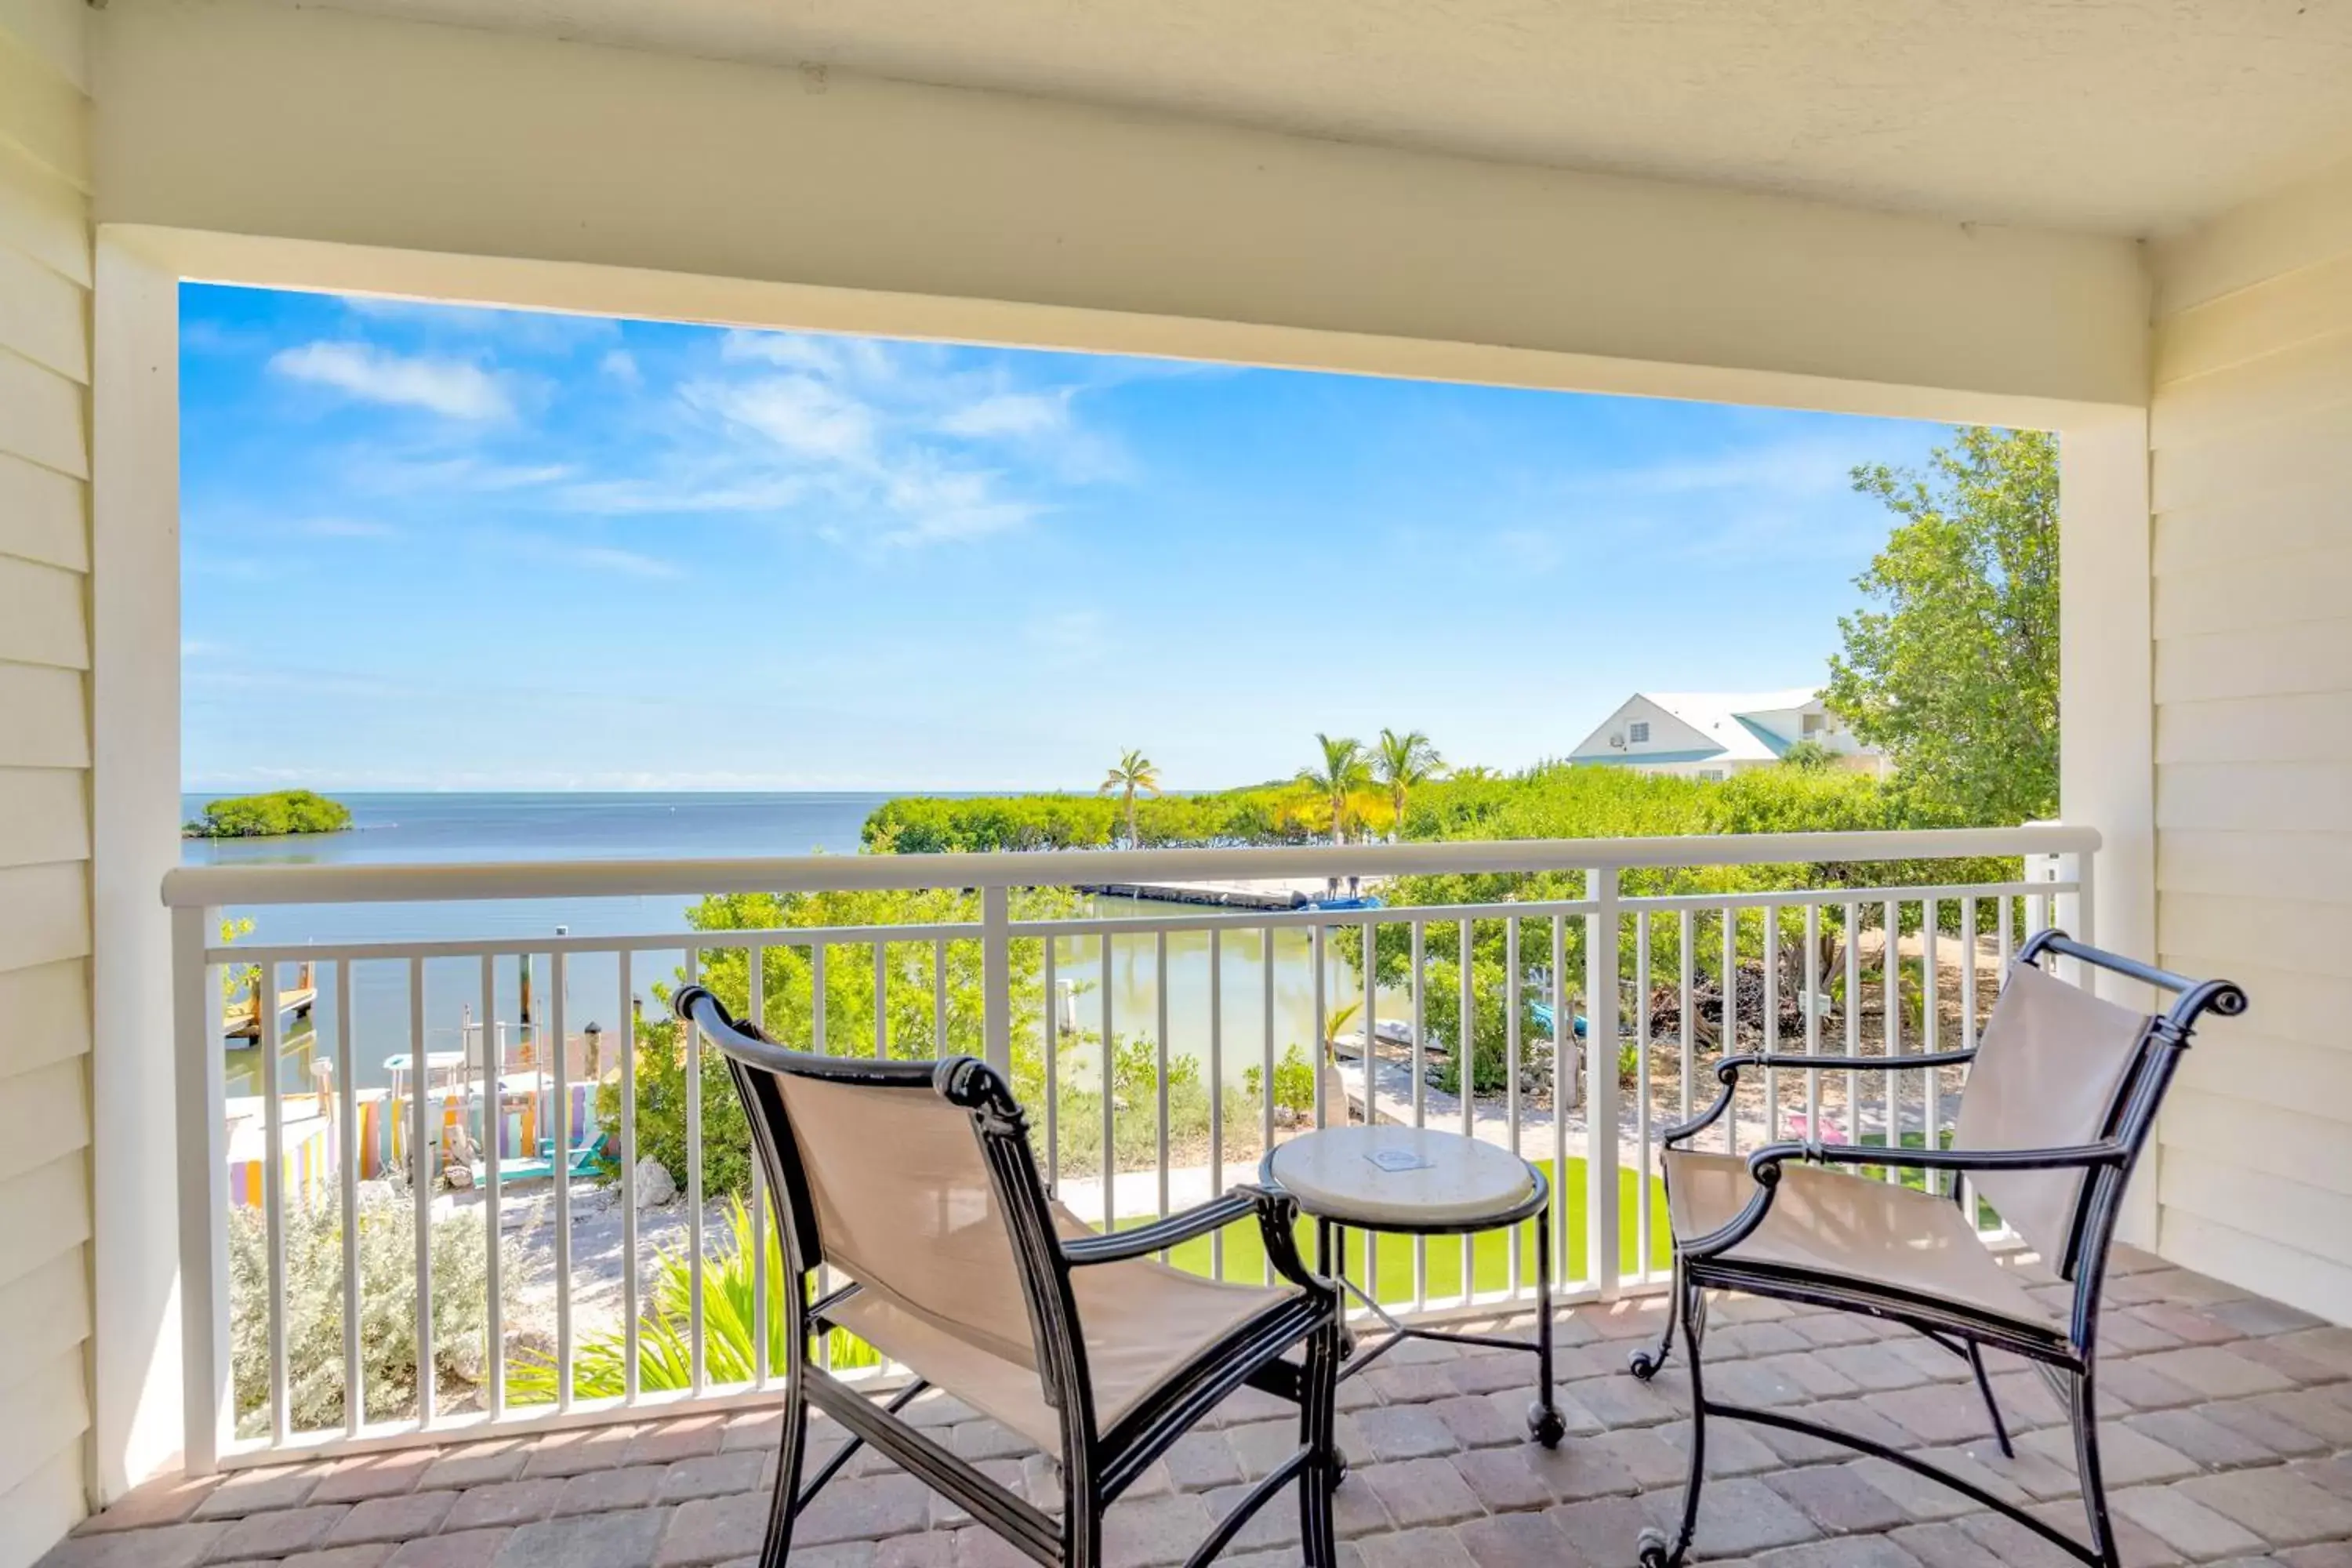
[1134,771]
[1341,774]
[1403,763]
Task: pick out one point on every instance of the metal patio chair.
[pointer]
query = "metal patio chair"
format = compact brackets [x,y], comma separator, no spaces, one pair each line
[2062,1090]
[916,1179]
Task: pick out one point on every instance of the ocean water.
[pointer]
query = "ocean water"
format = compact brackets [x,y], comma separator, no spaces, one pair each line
[489,828]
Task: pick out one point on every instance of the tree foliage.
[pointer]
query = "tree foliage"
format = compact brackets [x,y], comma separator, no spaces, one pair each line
[1956,675]
[1341,772]
[1402,763]
[1133,772]
[268,815]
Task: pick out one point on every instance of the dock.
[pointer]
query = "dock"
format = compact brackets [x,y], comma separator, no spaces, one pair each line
[1248,893]
[242,1021]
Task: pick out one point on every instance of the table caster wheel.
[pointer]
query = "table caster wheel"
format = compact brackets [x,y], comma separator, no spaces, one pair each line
[1347,1346]
[1652,1550]
[1545,1425]
[1645,1364]
[1338,1473]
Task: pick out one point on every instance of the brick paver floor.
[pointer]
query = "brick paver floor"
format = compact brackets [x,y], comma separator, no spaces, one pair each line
[2227,1439]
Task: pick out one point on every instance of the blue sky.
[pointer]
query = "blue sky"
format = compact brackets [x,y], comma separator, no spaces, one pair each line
[443,548]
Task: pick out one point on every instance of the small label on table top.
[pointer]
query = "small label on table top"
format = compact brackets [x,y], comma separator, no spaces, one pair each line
[1398,1160]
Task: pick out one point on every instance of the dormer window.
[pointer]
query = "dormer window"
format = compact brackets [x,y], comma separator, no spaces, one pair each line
[1638,732]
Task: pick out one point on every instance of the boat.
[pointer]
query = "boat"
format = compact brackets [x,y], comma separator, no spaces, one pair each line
[1361,901]
[1543,1016]
[1394,1032]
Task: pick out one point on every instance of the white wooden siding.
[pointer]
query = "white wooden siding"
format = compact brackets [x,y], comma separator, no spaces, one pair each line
[2251,426]
[45,834]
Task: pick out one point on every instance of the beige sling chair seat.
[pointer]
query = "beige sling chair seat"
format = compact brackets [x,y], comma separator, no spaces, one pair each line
[2062,1088]
[913,1183]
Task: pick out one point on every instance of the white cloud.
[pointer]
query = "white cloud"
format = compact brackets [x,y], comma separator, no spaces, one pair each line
[622,366]
[799,413]
[685,490]
[469,473]
[1011,414]
[1796,469]
[1533,551]
[445,387]
[934,506]
[628,563]
[834,358]
[1066,631]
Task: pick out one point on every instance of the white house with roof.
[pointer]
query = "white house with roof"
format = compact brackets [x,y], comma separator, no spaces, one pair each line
[1714,734]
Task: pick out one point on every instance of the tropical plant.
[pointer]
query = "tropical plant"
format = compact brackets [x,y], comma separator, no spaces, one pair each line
[1294,1082]
[1133,771]
[236,979]
[1341,772]
[387,1304]
[1957,677]
[1404,762]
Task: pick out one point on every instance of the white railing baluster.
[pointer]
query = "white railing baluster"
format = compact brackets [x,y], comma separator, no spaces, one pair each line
[756,1003]
[1053,1061]
[562,1173]
[1420,1092]
[1687,981]
[1852,1010]
[881,1000]
[1316,961]
[347,1192]
[1930,1004]
[1811,999]
[699,1368]
[1731,1018]
[1771,1022]
[631,1156]
[1511,997]
[493,1130]
[1890,966]
[1216,1089]
[1371,1084]
[1642,1260]
[1602,965]
[1265,1069]
[1109,1093]
[1160,1058]
[939,1046]
[422,1165]
[1465,1063]
[996,979]
[273,1196]
[1563,1074]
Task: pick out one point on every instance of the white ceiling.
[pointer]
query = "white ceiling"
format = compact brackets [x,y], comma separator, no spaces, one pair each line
[2129,117]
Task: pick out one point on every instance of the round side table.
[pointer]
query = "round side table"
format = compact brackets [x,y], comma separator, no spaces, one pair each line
[1411,1181]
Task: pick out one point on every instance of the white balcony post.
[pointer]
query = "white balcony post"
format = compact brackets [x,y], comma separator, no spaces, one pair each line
[996,978]
[199,1075]
[1600,967]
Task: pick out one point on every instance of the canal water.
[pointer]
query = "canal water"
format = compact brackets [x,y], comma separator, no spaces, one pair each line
[412,828]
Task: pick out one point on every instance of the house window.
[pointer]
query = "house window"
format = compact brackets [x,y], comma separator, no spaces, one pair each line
[1711,775]
[1638,732]
[1813,724]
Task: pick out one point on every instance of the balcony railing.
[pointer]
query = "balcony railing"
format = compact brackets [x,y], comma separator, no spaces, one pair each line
[1155,1052]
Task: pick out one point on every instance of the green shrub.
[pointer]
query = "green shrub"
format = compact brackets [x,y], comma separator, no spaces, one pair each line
[387,1304]
[1294,1082]
[268,815]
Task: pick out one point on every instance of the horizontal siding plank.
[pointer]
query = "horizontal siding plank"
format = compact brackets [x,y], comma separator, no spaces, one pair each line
[2295,797]
[48,721]
[2306,656]
[44,316]
[2291,1213]
[41,1508]
[2234,527]
[43,816]
[44,914]
[42,416]
[2278,933]
[43,113]
[2249,594]
[47,1010]
[2276,1144]
[2275,314]
[43,1413]
[44,1314]
[44,615]
[2317,1285]
[2317,375]
[2289,1074]
[2307,225]
[56,30]
[2313,867]
[44,1215]
[2308,449]
[2285,1004]
[2298,727]
[45,216]
[44,515]
[44,1116]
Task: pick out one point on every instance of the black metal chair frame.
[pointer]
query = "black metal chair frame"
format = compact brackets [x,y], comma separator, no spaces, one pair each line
[2065,1356]
[1095,1466]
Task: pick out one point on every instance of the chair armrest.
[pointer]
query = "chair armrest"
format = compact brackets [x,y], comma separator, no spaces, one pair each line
[1114,1247]
[1728,1070]
[2067,1157]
